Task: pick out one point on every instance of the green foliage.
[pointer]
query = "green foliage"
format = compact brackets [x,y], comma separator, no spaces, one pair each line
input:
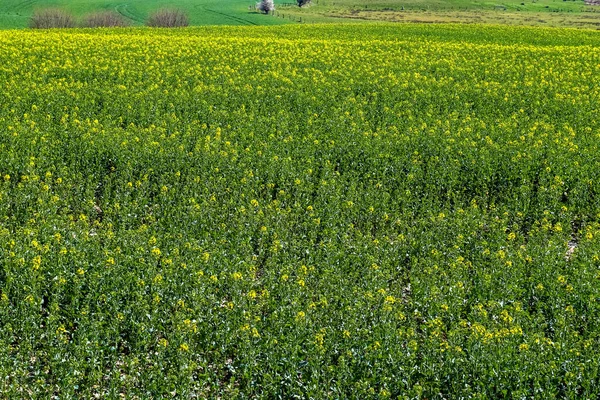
[397,212]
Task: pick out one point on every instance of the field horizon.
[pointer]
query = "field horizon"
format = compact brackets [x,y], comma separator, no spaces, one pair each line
[567,13]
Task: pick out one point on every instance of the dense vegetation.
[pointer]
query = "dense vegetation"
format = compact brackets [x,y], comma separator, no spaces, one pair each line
[407,211]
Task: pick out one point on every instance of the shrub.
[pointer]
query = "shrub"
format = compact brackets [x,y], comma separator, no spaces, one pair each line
[168,19]
[302,3]
[105,19]
[266,6]
[51,18]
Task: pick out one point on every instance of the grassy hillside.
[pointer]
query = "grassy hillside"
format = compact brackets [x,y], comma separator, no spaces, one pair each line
[15,13]
[338,211]
[574,13]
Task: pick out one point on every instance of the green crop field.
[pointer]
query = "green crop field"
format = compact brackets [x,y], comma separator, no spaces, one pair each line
[301,211]
[573,13]
[15,13]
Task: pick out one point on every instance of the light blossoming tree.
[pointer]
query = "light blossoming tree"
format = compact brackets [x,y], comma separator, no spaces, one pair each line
[265,6]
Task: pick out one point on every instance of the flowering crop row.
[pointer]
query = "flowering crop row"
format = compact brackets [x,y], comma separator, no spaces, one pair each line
[309,212]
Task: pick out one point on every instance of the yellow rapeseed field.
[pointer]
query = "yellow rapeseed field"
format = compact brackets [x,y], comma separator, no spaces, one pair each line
[374,211]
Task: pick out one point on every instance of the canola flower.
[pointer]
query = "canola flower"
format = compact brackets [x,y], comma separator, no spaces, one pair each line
[363,212]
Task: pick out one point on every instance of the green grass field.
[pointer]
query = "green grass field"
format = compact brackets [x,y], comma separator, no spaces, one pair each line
[15,13]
